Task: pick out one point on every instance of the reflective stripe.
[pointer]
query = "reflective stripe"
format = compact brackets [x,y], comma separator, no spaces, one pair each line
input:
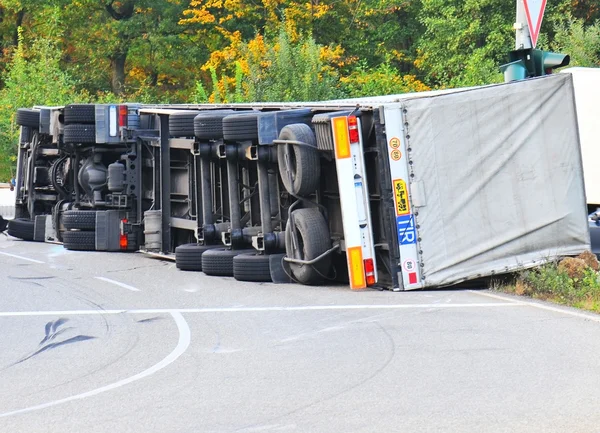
[354,200]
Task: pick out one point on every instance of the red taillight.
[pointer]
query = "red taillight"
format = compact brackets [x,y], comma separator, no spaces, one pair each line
[370,272]
[122,116]
[353,129]
[123,241]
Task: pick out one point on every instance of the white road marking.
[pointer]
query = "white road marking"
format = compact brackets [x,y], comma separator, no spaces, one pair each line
[587,316]
[117,283]
[182,345]
[253,309]
[21,257]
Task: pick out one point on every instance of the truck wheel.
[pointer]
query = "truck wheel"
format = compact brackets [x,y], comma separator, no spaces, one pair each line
[219,261]
[241,127]
[79,241]
[209,125]
[79,219]
[80,113]
[182,124]
[252,267]
[313,240]
[188,257]
[304,161]
[79,134]
[22,228]
[28,117]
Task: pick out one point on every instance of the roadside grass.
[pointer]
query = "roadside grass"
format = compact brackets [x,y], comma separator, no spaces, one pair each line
[573,281]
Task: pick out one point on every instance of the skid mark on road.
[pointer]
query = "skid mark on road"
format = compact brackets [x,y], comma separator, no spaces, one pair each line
[182,345]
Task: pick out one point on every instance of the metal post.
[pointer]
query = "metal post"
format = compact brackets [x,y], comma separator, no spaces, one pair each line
[234,195]
[205,187]
[265,197]
[522,35]
[165,182]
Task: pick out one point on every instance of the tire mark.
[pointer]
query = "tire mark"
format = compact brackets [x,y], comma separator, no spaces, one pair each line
[51,346]
[130,349]
[50,329]
[388,360]
[182,345]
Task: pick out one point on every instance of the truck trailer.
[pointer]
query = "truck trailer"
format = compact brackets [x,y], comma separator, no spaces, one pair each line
[402,192]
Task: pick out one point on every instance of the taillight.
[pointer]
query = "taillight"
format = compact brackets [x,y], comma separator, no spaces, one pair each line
[122,116]
[353,129]
[123,241]
[370,272]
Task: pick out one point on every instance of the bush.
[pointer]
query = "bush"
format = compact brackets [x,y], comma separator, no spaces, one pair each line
[384,80]
[572,281]
[285,70]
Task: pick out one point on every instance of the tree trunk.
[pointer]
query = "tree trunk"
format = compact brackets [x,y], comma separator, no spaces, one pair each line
[117,64]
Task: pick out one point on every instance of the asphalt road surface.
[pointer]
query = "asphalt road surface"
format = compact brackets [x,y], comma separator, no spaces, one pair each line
[99,342]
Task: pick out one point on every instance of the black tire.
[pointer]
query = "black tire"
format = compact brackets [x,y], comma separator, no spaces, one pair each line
[22,228]
[305,166]
[80,114]
[79,219]
[188,257]
[252,267]
[28,117]
[182,124]
[79,134]
[313,240]
[219,261]
[79,240]
[241,127]
[209,125]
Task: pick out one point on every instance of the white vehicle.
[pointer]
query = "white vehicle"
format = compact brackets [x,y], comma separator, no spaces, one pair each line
[586,82]
[401,192]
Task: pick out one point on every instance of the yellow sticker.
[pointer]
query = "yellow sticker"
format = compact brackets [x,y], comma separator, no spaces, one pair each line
[396,155]
[395,143]
[401,195]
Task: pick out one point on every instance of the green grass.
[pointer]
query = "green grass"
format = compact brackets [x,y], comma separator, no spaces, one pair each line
[571,282]
[7,169]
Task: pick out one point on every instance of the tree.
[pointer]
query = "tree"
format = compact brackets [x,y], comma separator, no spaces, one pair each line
[581,42]
[464,41]
[135,46]
[34,77]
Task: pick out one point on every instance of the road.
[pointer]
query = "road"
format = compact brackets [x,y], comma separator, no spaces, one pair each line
[98,342]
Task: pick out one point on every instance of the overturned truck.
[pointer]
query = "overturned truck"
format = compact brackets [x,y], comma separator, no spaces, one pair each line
[399,192]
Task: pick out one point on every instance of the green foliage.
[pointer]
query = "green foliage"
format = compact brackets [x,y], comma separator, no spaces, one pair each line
[553,282]
[239,79]
[383,80]
[548,280]
[199,96]
[325,49]
[215,84]
[581,42]
[34,77]
[221,91]
[464,41]
[289,71]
